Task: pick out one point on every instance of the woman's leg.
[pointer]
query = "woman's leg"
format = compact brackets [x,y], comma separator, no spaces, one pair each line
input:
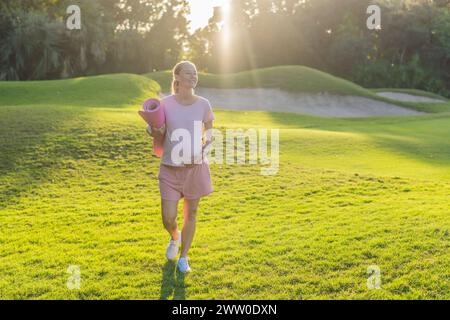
[169,216]
[190,215]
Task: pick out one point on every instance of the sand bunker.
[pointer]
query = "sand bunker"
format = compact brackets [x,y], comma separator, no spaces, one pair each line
[322,104]
[408,97]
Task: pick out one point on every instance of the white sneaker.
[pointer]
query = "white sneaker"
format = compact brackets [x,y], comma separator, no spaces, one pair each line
[183,265]
[172,247]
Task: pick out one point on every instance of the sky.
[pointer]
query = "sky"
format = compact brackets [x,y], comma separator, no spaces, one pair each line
[201,11]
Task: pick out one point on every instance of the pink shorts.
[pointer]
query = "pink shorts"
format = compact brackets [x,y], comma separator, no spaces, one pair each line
[188,182]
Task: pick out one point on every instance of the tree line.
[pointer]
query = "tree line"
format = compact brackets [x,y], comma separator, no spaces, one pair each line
[411,50]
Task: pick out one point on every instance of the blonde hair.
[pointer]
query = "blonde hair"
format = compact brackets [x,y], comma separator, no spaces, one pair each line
[176,71]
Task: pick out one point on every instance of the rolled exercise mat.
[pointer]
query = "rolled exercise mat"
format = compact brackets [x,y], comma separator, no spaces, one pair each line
[153,114]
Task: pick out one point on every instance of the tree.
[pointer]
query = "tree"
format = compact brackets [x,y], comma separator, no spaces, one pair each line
[30,46]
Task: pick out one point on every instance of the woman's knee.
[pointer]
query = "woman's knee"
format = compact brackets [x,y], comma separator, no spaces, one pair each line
[169,222]
[169,213]
[190,209]
[191,214]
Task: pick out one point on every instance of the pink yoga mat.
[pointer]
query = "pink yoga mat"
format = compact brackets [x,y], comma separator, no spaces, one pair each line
[153,114]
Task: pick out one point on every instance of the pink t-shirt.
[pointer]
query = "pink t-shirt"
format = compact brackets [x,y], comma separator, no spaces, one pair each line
[182,121]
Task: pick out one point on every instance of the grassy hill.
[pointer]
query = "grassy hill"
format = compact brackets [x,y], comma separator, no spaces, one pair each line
[288,78]
[78,187]
[295,79]
[104,90]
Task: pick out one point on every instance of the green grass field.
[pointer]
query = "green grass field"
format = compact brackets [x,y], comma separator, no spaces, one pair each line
[78,186]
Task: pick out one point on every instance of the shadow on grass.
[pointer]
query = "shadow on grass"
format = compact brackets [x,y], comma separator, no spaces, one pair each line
[172,282]
[55,144]
[28,154]
[35,136]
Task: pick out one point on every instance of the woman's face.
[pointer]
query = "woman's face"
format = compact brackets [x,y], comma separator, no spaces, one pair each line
[188,77]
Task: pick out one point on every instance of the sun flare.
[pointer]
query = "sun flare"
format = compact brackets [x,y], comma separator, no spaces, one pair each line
[202,10]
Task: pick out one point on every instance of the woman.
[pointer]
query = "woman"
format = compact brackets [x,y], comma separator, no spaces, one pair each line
[188,179]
